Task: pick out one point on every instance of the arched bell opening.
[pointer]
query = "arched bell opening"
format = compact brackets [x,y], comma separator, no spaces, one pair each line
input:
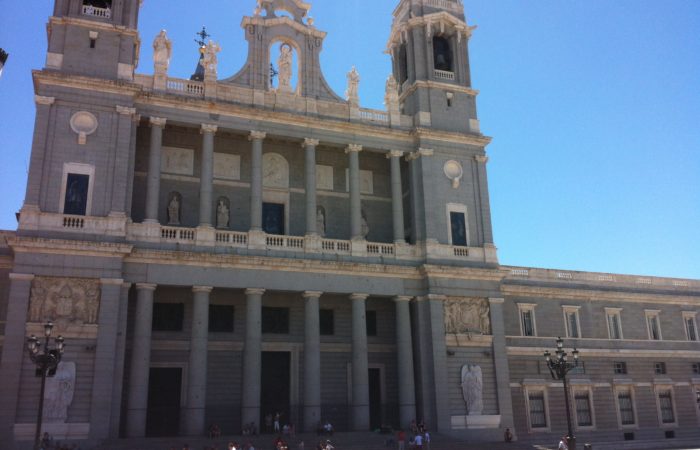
[442,54]
[403,65]
[285,66]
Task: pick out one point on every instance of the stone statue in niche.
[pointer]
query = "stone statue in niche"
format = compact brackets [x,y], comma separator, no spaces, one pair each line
[472,389]
[352,92]
[58,395]
[162,51]
[174,209]
[320,222]
[364,226]
[467,316]
[284,63]
[66,301]
[210,60]
[222,214]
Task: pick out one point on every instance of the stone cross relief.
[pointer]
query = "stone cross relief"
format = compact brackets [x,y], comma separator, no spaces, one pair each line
[467,316]
[65,301]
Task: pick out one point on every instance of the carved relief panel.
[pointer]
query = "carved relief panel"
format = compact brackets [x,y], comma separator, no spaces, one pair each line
[65,301]
[464,315]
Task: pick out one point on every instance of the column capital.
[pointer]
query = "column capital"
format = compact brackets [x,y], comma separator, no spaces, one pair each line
[394,154]
[112,281]
[146,286]
[402,298]
[257,136]
[254,291]
[312,294]
[203,289]
[41,100]
[21,276]
[353,148]
[208,128]
[357,296]
[496,301]
[310,142]
[136,118]
[157,121]
[125,110]
[483,159]
[425,152]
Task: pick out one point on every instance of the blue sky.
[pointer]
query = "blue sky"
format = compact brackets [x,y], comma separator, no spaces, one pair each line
[594,107]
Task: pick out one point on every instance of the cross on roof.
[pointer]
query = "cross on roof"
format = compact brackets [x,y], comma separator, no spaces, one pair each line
[203,35]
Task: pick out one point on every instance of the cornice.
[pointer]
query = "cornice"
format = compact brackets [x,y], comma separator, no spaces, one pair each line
[64,247]
[49,78]
[429,84]
[446,136]
[93,25]
[462,273]
[271,22]
[596,294]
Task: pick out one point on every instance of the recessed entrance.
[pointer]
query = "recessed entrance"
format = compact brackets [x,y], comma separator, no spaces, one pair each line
[375,398]
[273,218]
[275,385]
[163,414]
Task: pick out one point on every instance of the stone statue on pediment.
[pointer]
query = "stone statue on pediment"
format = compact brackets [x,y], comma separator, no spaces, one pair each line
[162,51]
[352,92]
[210,60]
[284,64]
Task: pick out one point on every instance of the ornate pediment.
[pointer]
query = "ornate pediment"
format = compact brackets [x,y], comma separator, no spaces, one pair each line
[296,8]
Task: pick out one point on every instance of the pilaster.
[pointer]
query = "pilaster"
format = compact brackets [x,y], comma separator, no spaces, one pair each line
[153,181]
[353,152]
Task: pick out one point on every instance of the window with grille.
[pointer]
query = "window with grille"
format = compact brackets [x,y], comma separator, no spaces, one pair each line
[168,316]
[221,318]
[582,399]
[527,319]
[613,318]
[660,368]
[528,327]
[626,407]
[653,326]
[620,367]
[275,320]
[538,413]
[666,406]
[691,332]
[571,321]
[696,368]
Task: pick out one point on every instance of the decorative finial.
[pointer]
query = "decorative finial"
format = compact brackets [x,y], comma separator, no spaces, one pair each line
[203,36]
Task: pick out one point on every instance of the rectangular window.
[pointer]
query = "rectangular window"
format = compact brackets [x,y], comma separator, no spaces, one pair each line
[582,401]
[620,367]
[459,228]
[371,320]
[528,323]
[221,318]
[626,406]
[660,368]
[580,369]
[168,316]
[653,326]
[275,320]
[75,201]
[696,368]
[538,414]
[571,321]
[666,406]
[691,330]
[326,322]
[614,326]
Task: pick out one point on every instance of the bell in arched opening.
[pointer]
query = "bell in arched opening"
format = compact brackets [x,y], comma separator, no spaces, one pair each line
[442,54]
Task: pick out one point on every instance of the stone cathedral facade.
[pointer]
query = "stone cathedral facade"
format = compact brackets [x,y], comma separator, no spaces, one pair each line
[219,249]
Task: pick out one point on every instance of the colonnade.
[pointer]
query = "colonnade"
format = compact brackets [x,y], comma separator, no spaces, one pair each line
[194,411]
[257,138]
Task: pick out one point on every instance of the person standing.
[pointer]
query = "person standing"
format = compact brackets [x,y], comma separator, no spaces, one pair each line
[419,442]
[563,443]
[426,440]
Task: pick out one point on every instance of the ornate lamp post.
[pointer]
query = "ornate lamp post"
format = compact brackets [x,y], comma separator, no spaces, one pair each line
[559,367]
[45,361]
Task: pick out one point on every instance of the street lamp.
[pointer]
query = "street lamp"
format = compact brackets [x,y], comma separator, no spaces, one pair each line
[559,367]
[45,361]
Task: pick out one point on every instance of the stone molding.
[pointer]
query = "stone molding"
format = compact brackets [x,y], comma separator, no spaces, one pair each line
[41,100]
[208,128]
[157,121]
[426,152]
[356,148]
[112,281]
[146,286]
[202,289]
[254,291]
[309,142]
[257,135]
[125,110]
[394,154]
[106,26]
[497,301]
[65,247]
[402,298]
[271,22]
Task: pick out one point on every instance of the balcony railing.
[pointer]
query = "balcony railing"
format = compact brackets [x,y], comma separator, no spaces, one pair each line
[94,11]
[374,115]
[444,75]
[187,87]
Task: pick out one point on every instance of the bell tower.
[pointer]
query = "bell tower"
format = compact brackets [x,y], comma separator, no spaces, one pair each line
[429,50]
[95,38]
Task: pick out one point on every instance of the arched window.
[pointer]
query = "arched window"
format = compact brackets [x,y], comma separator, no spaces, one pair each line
[442,54]
[403,64]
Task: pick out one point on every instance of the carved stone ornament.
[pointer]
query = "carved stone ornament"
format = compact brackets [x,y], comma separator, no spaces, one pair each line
[454,172]
[83,124]
[59,392]
[65,301]
[472,389]
[275,171]
[467,316]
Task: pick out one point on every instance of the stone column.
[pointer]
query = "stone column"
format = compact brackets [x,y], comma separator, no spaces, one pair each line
[153,181]
[500,360]
[105,352]
[353,151]
[397,196]
[252,357]
[360,367]
[404,357]
[13,352]
[207,175]
[119,362]
[312,361]
[310,147]
[140,362]
[197,368]
[256,181]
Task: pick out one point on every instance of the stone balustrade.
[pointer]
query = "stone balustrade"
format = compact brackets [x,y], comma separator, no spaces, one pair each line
[93,11]
[444,75]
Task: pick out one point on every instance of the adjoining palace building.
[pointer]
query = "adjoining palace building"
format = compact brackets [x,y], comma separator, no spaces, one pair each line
[219,249]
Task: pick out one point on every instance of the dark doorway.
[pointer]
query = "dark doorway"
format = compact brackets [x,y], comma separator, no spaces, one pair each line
[459,229]
[274,386]
[163,415]
[375,398]
[76,194]
[273,218]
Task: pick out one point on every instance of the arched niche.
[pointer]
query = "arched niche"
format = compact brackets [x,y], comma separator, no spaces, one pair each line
[288,76]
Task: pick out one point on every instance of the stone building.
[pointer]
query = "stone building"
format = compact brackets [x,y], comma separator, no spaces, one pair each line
[218,250]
